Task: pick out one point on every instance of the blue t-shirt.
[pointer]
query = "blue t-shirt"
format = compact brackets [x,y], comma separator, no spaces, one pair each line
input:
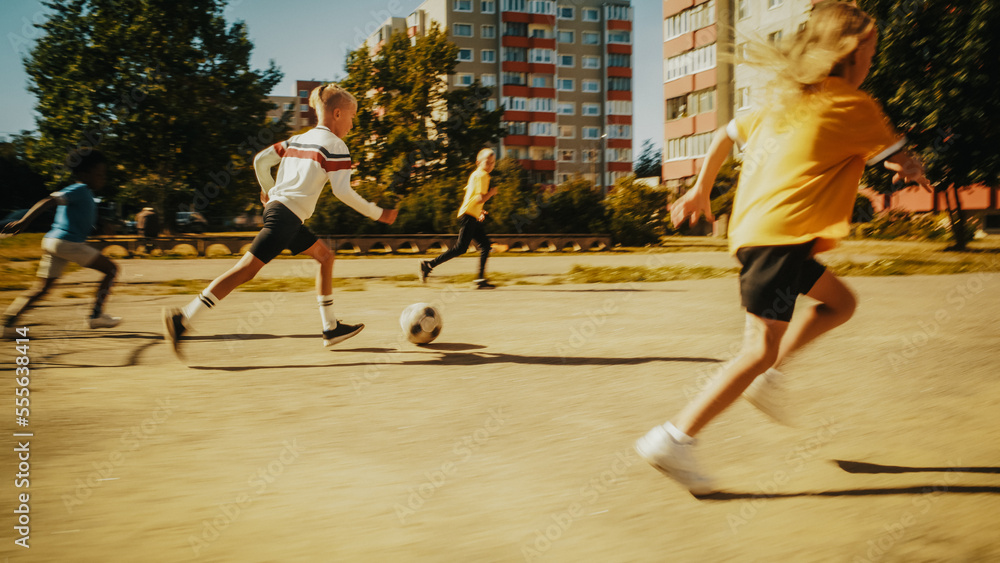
[77,216]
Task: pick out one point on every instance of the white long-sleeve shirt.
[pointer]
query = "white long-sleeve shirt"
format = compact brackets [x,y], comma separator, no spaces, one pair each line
[305,163]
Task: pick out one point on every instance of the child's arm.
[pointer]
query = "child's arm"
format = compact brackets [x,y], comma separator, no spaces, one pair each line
[42,206]
[262,165]
[907,168]
[697,200]
[340,184]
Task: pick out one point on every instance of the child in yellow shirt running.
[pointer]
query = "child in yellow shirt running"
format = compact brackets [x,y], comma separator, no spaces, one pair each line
[803,159]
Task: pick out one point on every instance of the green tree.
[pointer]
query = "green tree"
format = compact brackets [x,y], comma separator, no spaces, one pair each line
[575,206]
[165,88]
[649,163]
[636,213]
[935,74]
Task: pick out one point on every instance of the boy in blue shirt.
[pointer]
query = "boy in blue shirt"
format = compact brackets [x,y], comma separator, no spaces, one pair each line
[75,218]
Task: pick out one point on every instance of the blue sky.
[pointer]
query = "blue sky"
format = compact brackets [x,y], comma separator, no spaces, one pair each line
[309,39]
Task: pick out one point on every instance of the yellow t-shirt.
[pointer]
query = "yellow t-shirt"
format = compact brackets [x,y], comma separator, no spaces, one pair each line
[479,184]
[801,168]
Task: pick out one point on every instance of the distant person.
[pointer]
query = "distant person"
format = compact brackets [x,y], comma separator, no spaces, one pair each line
[147,224]
[809,145]
[76,217]
[305,163]
[471,218]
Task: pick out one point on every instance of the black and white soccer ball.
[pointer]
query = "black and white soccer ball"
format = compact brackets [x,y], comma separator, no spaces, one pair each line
[421,323]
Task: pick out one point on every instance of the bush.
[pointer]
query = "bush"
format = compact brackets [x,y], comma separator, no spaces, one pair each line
[636,213]
[895,224]
[575,206]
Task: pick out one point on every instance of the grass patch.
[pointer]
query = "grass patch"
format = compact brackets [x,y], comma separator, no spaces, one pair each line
[632,274]
[908,267]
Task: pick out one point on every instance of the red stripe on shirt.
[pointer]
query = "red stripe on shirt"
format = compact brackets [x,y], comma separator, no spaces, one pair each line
[280,148]
[328,165]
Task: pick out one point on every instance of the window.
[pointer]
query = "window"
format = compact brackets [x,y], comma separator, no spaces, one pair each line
[620,84]
[303,107]
[517,128]
[741,52]
[591,109]
[743,98]
[465,55]
[462,30]
[590,38]
[516,104]
[590,155]
[774,38]
[565,12]
[676,108]
[702,15]
[303,93]
[591,62]
[591,132]
[618,12]
[690,62]
[774,3]
[514,152]
[742,9]
[676,25]
[540,82]
[488,7]
[515,5]
[591,86]
[566,84]
[692,146]
[567,132]
[539,33]
[543,7]
[690,104]
[619,131]
[515,29]
[619,107]
[488,32]
[515,54]
[619,36]
[541,56]
[515,79]
[591,15]
[541,104]
[619,155]
[567,155]
[488,79]
[463,79]
[462,5]
[490,105]
[289,107]
[488,56]
[566,61]
[541,129]
[565,36]
[616,59]
[567,108]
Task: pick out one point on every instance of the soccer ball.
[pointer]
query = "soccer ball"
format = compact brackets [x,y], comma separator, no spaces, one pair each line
[421,323]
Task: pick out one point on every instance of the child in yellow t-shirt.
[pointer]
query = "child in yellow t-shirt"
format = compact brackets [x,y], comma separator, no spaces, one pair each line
[803,159]
[471,216]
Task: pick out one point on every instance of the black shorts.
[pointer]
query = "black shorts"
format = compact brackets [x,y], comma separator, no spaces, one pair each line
[282,229]
[773,277]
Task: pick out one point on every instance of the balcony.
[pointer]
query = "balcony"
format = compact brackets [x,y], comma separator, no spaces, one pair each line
[622,25]
[515,41]
[545,142]
[515,66]
[516,140]
[620,71]
[622,95]
[543,117]
[619,49]
[541,43]
[516,115]
[541,93]
[619,120]
[543,165]
[619,143]
[541,68]
[620,166]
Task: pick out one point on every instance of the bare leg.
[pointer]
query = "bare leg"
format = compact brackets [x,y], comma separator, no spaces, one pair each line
[759,352]
[324,278]
[836,305]
[104,265]
[27,299]
[244,270]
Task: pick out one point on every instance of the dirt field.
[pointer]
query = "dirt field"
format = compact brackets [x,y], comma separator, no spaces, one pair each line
[508,439]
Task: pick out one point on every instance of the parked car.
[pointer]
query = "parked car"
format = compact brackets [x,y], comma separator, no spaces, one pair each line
[191,222]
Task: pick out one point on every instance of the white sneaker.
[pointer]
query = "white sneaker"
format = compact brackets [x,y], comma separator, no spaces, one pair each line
[674,459]
[769,394]
[104,321]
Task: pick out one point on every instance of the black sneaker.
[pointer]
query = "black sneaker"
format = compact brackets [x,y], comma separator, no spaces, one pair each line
[425,270]
[483,284]
[341,333]
[173,328]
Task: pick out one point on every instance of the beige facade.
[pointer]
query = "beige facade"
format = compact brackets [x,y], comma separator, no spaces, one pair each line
[562,73]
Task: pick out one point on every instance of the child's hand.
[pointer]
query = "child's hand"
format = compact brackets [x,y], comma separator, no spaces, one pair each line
[263,197]
[909,169]
[388,216]
[691,206]
[12,228]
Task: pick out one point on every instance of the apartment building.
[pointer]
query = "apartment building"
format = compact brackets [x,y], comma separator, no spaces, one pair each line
[562,72]
[302,116]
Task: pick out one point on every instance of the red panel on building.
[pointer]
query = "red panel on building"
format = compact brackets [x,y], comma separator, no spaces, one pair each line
[515,66]
[619,143]
[517,17]
[542,68]
[547,165]
[678,169]
[516,116]
[542,93]
[678,128]
[678,87]
[541,43]
[542,19]
[625,95]
[705,79]
[619,166]
[673,7]
[619,49]
[519,91]
[543,116]
[516,140]
[620,71]
[543,142]
[515,41]
[678,45]
[705,36]
[619,120]
[705,122]
[620,24]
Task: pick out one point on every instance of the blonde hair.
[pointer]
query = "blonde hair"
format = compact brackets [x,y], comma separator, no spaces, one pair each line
[824,48]
[484,154]
[329,96]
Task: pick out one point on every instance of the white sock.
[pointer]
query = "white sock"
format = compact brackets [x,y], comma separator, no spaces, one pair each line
[676,434]
[204,301]
[326,312]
